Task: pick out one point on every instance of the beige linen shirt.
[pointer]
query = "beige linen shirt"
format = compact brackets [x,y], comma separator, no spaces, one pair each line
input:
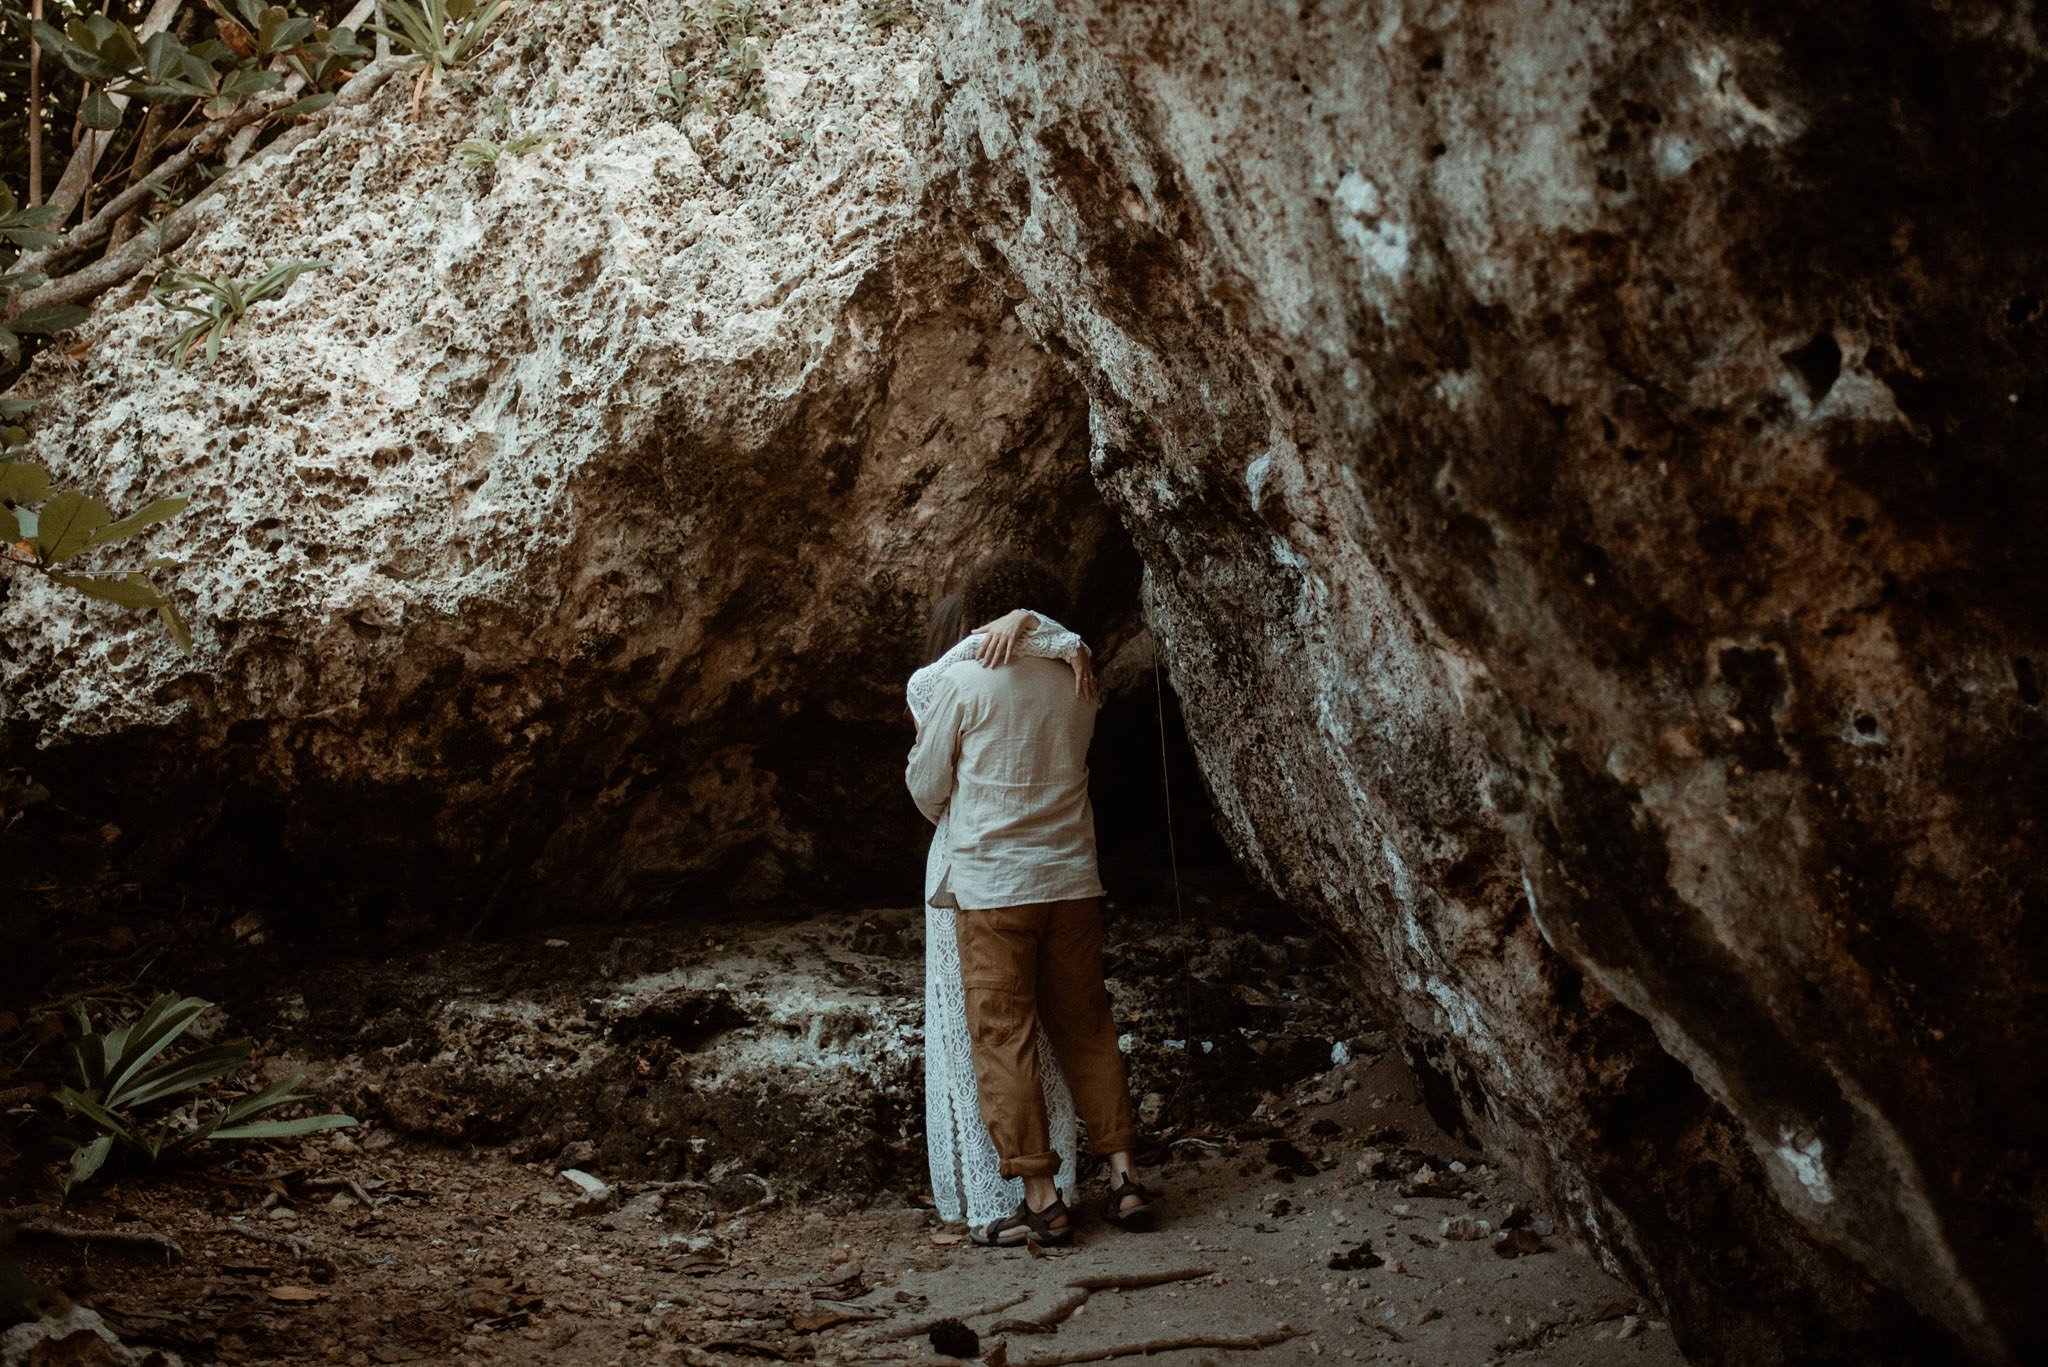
[1003,755]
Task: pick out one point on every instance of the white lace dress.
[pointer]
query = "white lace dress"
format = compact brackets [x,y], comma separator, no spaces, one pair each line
[967,1178]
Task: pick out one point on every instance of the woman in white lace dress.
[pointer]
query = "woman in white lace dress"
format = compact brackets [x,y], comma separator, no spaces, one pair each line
[966,1173]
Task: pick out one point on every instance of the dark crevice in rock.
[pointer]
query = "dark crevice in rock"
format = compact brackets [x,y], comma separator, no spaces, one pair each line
[1819,364]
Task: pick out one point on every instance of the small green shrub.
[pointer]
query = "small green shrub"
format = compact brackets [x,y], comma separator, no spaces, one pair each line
[729,19]
[680,92]
[439,34]
[482,152]
[224,301]
[742,73]
[131,1098]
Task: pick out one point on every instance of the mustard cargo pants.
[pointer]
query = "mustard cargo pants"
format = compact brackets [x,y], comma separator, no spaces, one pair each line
[1021,965]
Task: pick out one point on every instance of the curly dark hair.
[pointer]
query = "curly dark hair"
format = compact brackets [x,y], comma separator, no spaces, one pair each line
[1010,579]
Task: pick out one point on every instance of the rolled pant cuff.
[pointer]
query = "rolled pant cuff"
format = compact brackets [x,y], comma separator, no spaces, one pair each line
[1114,1142]
[1032,1165]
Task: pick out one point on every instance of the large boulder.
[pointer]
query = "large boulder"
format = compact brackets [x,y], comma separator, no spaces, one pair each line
[564,544]
[1586,462]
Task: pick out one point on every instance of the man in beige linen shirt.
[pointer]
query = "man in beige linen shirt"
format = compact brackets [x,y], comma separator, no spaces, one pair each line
[1006,750]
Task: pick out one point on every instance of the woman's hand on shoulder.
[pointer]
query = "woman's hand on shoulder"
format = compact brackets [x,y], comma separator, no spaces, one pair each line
[999,638]
[1084,675]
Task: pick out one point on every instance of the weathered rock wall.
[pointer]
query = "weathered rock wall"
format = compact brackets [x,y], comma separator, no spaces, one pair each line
[565,545]
[1585,458]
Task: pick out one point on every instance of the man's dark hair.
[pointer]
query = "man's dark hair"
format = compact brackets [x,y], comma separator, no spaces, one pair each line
[1008,580]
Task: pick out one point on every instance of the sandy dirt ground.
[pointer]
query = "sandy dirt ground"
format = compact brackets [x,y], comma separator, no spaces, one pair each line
[373,1248]
[1312,1210]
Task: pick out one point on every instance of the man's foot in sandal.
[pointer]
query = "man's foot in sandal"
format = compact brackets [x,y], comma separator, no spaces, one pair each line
[1129,1206]
[1050,1227]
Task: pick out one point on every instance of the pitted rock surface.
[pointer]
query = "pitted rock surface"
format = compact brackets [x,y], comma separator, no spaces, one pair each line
[570,538]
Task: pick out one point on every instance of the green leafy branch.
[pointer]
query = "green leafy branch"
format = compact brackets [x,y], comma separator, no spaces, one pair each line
[27,227]
[223,302]
[43,529]
[222,71]
[129,1097]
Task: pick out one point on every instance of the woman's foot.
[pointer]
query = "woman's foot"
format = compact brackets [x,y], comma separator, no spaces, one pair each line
[1051,1227]
[1129,1206]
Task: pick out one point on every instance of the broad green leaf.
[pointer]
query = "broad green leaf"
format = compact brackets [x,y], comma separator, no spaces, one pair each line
[89,1106]
[159,511]
[241,85]
[286,1129]
[312,104]
[199,1135]
[276,1094]
[134,1045]
[10,346]
[87,1159]
[67,524]
[98,111]
[31,235]
[197,65]
[121,591]
[21,482]
[44,321]
[289,34]
[105,32]
[59,45]
[162,54]
[202,1065]
[11,409]
[175,624]
[162,92]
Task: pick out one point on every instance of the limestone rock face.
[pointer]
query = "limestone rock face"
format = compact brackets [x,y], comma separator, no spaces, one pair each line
[567,542]
[1585,462]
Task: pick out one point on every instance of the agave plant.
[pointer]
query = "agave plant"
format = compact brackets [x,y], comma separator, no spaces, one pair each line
[131,1097]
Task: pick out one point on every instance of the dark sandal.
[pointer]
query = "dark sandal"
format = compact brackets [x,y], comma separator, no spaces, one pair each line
[1138,1219]
[1027,1226]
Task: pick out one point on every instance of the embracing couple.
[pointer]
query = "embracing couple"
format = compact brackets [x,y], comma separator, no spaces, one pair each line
[1018,1034]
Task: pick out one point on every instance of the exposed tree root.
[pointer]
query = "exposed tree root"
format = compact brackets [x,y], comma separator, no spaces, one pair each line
[919,1330]
[1138,1281]
[1047,1322]
[113,1238]
[1149,1346]
[1088,1286]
